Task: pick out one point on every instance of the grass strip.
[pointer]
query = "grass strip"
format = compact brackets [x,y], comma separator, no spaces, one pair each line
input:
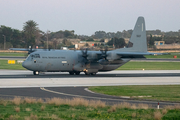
[80,109]
[150,66]
[164,56]
[13,54]
[152,92]
[4,65]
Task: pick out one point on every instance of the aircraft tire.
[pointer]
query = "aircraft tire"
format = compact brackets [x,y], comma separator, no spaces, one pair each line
[93,73]
[86,73]
[71,73]
[77,73]
[36,72]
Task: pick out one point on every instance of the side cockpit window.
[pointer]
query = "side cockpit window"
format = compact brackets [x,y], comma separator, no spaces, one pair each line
[35,56]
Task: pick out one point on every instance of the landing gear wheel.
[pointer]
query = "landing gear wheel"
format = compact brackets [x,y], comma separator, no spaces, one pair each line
[77,73]
[36,72]
[71,73]
[86,73]
[93,73]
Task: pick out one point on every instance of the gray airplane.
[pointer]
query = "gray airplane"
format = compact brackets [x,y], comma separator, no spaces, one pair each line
[89,62]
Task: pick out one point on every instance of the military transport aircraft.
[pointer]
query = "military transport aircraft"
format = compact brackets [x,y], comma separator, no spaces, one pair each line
[89,62]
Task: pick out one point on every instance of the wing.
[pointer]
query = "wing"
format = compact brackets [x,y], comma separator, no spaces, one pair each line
[140,53]
[19,49]
[137,54]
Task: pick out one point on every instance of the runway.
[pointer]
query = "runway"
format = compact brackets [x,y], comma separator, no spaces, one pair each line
[47,85]
[20,78]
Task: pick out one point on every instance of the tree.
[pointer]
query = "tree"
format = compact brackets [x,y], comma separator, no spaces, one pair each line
[151,41]
[66,42]
[100,34]
[30,30]
[117,42]
[13,36]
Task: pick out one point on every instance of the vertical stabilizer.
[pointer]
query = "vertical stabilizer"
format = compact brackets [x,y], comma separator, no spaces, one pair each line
[137,42]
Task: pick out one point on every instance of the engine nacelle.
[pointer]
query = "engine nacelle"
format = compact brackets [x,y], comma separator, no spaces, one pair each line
[112,56]
[93,65]
[103,62]
[79,67]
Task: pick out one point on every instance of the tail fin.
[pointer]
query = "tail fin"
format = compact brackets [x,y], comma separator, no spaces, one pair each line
[137,42]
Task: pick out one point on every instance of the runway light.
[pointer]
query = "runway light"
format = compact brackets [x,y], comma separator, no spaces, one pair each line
[143,69]
[158,106]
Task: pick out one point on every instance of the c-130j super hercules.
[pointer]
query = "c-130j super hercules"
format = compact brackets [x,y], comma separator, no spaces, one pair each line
[89,62]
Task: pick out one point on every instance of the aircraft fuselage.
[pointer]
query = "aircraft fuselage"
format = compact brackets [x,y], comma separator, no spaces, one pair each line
[67,61]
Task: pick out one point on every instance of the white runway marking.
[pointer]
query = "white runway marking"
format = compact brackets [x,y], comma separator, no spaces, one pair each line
[99,98]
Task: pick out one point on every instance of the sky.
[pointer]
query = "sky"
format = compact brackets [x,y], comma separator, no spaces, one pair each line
[87,16]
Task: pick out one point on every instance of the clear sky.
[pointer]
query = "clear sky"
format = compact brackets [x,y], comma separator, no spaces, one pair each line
[88,16]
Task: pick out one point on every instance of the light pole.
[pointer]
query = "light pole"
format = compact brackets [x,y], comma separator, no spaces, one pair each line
[4,42]
[47,37]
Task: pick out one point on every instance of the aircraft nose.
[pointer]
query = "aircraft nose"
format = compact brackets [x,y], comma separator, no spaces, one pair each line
[26,64]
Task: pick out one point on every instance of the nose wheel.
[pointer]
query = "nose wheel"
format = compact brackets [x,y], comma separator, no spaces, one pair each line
[36,72]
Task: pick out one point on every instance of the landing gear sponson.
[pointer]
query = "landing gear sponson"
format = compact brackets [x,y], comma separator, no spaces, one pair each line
[71,73]
[78,73]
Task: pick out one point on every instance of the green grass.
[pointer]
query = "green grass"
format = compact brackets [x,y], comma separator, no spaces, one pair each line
[157,92]
[12,54]
[34,111]
[4,65]
[150,66]
[164,56]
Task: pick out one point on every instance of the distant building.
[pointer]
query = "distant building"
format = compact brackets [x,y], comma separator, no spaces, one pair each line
[126,40]
[64,48]
[155,35]
[159,42]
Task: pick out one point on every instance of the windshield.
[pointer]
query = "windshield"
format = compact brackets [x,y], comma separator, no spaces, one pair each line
[28,58]
[31,56]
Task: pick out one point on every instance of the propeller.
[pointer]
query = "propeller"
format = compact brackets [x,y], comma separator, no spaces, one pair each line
[104,53]
[30,50]
[84,53]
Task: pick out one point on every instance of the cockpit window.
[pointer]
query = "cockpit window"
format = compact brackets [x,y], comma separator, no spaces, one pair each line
[29,57]
[35,56]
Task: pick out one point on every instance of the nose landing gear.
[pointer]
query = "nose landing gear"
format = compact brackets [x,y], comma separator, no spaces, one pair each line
[36,72]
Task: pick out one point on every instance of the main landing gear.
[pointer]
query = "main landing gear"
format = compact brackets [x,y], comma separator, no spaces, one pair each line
[86,73]
[72,73]
[36,72]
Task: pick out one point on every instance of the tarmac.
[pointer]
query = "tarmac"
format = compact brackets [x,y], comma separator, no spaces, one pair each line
[23,83]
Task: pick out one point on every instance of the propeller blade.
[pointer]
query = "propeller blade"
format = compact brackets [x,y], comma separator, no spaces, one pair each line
[104,53]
